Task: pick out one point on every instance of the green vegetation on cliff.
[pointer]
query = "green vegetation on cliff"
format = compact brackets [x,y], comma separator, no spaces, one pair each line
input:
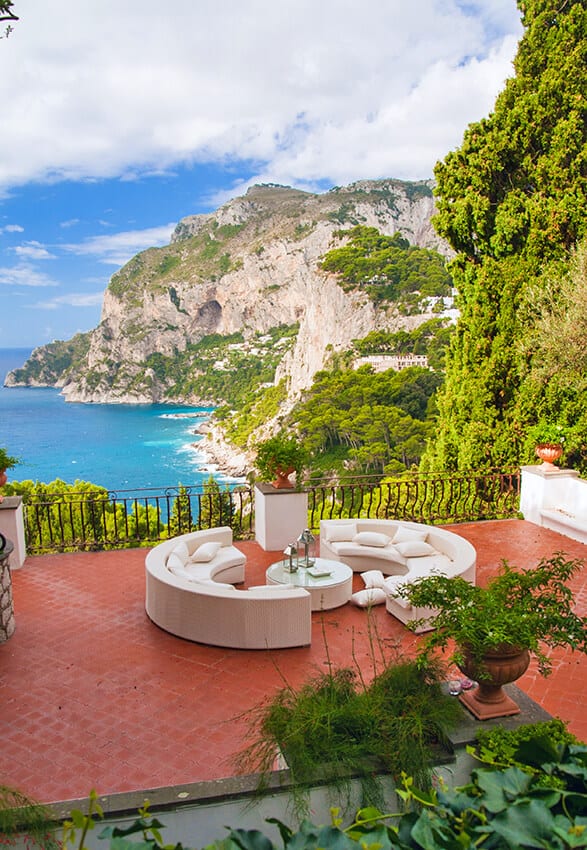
[52,363]
[512,202]
[367,422]
[388,268]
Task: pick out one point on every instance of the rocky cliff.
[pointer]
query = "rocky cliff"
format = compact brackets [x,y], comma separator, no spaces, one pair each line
[246,269]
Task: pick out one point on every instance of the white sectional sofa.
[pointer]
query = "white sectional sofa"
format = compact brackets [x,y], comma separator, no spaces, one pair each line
[391,552]
[190,593]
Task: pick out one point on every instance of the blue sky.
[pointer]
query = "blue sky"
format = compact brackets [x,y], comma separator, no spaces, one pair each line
[119,119]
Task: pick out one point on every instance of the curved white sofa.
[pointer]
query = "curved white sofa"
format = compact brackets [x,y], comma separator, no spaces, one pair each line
[197,601]
[402,551]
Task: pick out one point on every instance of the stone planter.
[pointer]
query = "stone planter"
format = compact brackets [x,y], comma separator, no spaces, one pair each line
[498,668]
[548,453]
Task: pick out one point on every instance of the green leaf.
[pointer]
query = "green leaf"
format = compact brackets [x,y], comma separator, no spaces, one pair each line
[251,839]
[527,824]
[500,788]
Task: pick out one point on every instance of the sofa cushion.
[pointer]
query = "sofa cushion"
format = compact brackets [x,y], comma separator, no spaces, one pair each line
[175,563]
[369,596]
[342,531]
[181,551]
[387,553]
[371,538]
[415,548]
[373,578]
[403,535]
[206,552]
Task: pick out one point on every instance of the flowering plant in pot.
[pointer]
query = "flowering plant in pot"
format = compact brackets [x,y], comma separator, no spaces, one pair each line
[548,439]
[6,462]
[278,457]
[519,613]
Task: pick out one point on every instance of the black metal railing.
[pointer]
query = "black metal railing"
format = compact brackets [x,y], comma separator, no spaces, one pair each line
[434,498]
[125,519]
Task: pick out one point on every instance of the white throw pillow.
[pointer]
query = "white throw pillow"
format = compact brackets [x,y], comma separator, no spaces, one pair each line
[415,549]
[182,552]
[341,532]
[174,562]
[205,552]
[373,578]
[175,566]
[369,596]
[403,534]
[371,538]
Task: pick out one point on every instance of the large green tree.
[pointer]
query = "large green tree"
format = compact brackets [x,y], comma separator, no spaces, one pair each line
[512,203]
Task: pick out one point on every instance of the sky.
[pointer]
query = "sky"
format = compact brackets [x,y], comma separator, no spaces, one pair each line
[120,118]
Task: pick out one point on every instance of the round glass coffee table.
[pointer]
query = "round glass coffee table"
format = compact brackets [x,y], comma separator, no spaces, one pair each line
[329,583]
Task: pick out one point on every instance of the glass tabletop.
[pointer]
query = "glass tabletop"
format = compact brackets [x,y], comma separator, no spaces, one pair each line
[324,572]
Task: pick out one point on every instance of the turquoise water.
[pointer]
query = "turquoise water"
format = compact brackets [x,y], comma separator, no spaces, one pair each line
[119,446]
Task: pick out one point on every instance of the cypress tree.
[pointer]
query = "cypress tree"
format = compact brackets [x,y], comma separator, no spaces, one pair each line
[512,202]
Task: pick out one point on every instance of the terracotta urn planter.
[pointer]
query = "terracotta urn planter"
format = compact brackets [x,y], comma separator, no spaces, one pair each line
[281,480]
[500,667]
[549,453]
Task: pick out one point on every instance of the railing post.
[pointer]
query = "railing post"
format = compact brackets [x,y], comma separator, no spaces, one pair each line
[12,527]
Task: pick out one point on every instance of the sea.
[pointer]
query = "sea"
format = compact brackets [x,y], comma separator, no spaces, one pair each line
[118,446]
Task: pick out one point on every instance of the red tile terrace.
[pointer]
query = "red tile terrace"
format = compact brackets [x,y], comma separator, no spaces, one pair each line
[94,695]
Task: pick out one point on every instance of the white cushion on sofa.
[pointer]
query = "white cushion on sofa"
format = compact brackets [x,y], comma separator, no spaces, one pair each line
[182,552]
[175,563]
[205,552]
[403,535]
[369,596]
[415,548]
[371,538]
[340,532]
[373,578]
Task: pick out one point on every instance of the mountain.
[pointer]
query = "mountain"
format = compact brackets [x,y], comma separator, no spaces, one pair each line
[238,292]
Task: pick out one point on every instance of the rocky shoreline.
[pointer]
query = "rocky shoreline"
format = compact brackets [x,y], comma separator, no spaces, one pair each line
[220,454]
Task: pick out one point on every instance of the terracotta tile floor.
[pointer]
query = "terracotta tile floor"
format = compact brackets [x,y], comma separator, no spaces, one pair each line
[93,695]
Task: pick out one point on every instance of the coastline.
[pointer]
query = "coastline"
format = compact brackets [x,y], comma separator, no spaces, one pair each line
[219,454]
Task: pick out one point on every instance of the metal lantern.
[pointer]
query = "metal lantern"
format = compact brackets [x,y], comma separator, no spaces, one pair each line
[307,548]
[290,558]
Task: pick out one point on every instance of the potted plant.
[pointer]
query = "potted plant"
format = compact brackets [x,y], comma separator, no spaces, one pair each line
[6,462]
[549,439]
[517,614]
[278,457]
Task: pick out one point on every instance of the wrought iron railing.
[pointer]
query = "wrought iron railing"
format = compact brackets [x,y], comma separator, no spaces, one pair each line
[125,519]
[434,498]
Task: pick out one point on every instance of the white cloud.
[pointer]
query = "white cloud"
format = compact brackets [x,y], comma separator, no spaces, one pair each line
[70,223]
[33,251]
[118,248]
[12,228]
[71,299]
[25,275]
[330,91]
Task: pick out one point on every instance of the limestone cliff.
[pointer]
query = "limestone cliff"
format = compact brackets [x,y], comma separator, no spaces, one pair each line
[250,267]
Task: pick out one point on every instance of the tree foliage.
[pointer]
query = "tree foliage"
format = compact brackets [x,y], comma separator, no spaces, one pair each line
[373,422]
[7,14]
[512,202]
[388,268]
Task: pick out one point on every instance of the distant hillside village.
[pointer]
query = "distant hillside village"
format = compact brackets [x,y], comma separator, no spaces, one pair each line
[383,362]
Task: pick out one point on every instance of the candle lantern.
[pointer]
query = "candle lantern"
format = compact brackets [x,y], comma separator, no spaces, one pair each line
[307,548]
[290,558]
